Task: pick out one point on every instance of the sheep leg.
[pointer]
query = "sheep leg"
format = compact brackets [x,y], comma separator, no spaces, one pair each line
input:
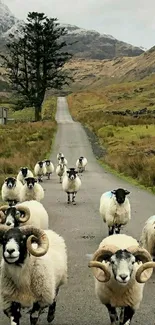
[68,197]
[48,176]
[52,308]
[60,179]
[111,230]
[112,313]
[73,198]
[35,312]
[117,229]
[13,312]
[128,314]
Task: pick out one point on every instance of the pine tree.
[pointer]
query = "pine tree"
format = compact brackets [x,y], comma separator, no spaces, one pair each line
[36,58]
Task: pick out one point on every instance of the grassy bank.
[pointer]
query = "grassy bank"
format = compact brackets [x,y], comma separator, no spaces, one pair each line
[129,140]
[22,144]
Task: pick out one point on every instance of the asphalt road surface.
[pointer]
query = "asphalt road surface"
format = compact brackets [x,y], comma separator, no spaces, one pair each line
[83,229]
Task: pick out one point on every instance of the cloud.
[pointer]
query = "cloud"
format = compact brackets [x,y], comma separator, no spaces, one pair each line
[131,21]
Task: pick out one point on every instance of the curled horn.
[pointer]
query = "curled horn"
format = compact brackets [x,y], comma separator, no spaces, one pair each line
[26,211]
[3,208]
[100,270]
[144,272]
[37,235]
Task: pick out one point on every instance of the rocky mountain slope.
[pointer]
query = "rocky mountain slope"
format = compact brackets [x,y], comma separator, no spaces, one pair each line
[86,43]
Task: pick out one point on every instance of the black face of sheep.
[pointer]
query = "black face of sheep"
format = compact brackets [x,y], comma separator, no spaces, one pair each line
[72,173]
[10,182]
[30,181]
[24,171]
[120,195]
[47,162]
[122,263]
[40,163]
[12,217]
[14,246]
[80,159]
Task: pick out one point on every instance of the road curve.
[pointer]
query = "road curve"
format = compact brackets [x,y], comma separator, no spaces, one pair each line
[83,229]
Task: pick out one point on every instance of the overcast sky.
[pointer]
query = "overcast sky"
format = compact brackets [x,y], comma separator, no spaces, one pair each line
[132,21]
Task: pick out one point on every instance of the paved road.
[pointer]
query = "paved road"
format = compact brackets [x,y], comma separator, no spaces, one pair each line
[83,229]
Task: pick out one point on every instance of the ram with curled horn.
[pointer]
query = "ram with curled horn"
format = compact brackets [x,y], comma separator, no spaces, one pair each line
[121,268]
[42,268]
[26,213]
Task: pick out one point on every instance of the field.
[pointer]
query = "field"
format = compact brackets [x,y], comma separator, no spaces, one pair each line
[114,114]
[23,142]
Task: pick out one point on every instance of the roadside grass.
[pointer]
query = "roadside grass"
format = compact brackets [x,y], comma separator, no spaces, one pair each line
[129,140]
[23,143]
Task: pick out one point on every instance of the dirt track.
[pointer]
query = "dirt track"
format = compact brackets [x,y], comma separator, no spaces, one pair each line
[83,229]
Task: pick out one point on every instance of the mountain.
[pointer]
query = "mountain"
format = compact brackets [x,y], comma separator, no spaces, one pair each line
[85,43]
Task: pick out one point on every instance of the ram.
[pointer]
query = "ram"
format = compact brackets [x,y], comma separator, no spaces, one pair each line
[31,276]
[32,190]
[118,267]
[40,170]
[25,213]
[115,209]
[23,173]
[71,184]
[81,164]
[11,190]
[49,168]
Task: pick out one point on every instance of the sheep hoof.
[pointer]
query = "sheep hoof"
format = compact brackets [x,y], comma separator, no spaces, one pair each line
[74,203]
[51,312]
[34,320]
[68,202]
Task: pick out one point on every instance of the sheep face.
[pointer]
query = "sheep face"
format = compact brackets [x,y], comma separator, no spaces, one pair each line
[122,263]
[14,246]
[80,159]
[47,162]
[40,163]
[72,173]
[10,182]
[24,171]
[120,195]
[12,215]
[30,182]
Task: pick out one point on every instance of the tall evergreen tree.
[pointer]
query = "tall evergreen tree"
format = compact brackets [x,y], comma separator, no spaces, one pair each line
[36,58]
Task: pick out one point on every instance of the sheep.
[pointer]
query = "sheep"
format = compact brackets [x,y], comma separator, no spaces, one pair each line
[59,155]
[118,267]
[25,213]
[11,190]
[60,170]
[30,276]
[81,164]
[115,209]
[32,190]
[23,173]
[49,168]
[71,184]
[147,239]
[40,170]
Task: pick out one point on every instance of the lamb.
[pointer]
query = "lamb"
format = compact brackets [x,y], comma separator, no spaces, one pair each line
[11,190]
[115,209]
[31,277]
[32,190]
[49,168]
[147,239]
[81,164]
[60,170]
[25,213]
[23,173]
[40,170]
[71,184]
[118,267]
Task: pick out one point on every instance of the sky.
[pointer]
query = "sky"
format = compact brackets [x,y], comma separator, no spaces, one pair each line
[132,21]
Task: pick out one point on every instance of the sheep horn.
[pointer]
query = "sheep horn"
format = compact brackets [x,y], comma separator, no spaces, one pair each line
[26,211]
[37,235]
[142,255]
[97,265]
[3,208]
[142,276]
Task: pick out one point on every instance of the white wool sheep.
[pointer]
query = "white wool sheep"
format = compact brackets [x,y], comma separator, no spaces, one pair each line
[49,168]
[32,190]
[71,184]
[11,190]
[115,209]
[147,239]
[31,277]
[61,170]
[25,213]
[81,164]
[40,170]
[118,267]
[23,173]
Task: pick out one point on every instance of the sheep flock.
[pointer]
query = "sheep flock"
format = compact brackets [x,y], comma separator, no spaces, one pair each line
[34,262]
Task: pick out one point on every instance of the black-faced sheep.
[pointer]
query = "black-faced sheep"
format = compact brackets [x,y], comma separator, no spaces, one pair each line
[32,190]
[61,170]
[23,173]
[81,164]
[147,239]
[49,168]
[71,184]
[40,170]
[11,190]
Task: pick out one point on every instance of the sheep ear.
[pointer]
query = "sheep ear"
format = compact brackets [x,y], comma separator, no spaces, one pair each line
[76,172]
[113,191]
[67,171]
[127,192]
[35,180]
